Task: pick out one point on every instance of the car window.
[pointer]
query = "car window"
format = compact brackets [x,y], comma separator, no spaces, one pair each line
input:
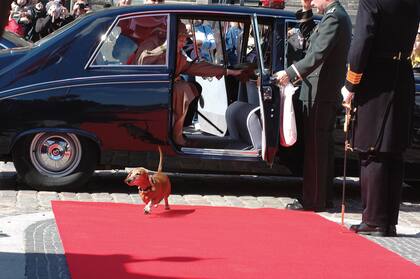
[138,40]
[265,34]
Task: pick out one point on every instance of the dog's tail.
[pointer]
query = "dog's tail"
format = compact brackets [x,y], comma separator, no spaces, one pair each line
[160,159]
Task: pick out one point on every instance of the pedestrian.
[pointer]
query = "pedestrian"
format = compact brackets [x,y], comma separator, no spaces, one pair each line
[322,72]
[380,77]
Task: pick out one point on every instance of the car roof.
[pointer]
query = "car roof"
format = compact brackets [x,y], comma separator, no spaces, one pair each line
[179,8]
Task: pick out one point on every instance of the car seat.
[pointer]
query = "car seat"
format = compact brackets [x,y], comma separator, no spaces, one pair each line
[243,123]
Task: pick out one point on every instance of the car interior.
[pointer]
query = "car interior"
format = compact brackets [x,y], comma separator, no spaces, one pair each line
[226,115]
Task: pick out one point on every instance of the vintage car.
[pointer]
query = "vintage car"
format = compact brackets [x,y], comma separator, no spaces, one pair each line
[11,40]
[83,99]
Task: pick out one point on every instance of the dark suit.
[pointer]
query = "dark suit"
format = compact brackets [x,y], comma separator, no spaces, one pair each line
[381,76]
[322,71]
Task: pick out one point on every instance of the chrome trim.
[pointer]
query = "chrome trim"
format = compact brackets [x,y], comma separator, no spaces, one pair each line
[200,12]
[82,78]
[78,85]
[221,152]
[4,46]
[114,23]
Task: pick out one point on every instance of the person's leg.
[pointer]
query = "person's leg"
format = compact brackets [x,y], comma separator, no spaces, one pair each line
[183,94]
[375,178]
[396,170]
[319,157]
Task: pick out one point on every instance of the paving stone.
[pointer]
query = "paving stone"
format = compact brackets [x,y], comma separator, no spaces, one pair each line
[102,197]
[176,199]
[135,198]
[122,198]
[234,201]
[7,193]
[196,200]
[45,198]
[68,196]
[84,197]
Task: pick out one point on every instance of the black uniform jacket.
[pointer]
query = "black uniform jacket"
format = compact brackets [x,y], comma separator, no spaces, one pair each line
[324,66]
[380,73]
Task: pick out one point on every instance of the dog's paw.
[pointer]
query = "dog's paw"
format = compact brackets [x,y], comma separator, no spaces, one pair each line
[147,212]
[156,205]
[167,207]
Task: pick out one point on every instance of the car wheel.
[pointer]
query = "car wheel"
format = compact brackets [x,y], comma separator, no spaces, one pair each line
[55,161]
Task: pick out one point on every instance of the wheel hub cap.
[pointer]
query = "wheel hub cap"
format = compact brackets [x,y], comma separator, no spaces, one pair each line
[55,154]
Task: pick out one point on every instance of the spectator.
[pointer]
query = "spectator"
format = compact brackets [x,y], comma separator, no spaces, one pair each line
[204,38]
[80,7]
[39,12]
[233,36]
[122,3]
[22,15]
[57,16]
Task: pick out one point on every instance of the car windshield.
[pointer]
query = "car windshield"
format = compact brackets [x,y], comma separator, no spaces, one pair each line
[15,39]
[59,31]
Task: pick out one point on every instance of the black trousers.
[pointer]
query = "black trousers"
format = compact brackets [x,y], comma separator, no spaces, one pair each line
[381,178]
[318,169]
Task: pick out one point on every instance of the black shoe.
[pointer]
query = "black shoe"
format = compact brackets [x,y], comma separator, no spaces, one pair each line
[296,205]
[392,231]
[366,229]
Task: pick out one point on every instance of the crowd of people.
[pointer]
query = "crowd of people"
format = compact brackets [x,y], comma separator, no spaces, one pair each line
[35,19]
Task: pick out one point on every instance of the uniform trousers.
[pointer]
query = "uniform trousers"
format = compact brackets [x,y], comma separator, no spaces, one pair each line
[318,169]
[381,178]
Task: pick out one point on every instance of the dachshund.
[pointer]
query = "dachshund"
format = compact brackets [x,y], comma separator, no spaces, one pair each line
[153,186]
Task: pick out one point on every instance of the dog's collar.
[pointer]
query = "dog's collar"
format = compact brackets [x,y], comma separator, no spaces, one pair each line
[148,189]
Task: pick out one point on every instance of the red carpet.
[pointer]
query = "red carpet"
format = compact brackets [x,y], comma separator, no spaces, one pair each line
[109,240]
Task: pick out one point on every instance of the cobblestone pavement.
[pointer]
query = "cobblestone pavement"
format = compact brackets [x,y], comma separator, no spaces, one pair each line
[43,253]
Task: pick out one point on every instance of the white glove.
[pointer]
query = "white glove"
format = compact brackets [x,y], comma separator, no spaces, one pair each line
[347,95]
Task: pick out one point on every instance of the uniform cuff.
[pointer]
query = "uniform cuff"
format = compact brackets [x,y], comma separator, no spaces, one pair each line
[293,73]
[350,86]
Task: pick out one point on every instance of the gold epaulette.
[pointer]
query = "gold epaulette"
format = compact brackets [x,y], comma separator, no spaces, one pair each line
[353,77]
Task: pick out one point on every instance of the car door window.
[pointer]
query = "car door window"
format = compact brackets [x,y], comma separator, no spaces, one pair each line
[139,41]
[265,33]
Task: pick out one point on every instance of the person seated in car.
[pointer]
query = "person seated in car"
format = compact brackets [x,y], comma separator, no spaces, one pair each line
[184,92]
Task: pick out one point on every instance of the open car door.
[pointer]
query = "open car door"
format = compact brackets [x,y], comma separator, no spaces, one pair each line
[270,102]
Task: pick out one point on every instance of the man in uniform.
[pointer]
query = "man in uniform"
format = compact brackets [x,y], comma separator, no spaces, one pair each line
[322,72]
[380,77]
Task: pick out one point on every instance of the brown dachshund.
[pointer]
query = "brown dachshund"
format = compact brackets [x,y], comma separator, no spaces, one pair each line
[153,187]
